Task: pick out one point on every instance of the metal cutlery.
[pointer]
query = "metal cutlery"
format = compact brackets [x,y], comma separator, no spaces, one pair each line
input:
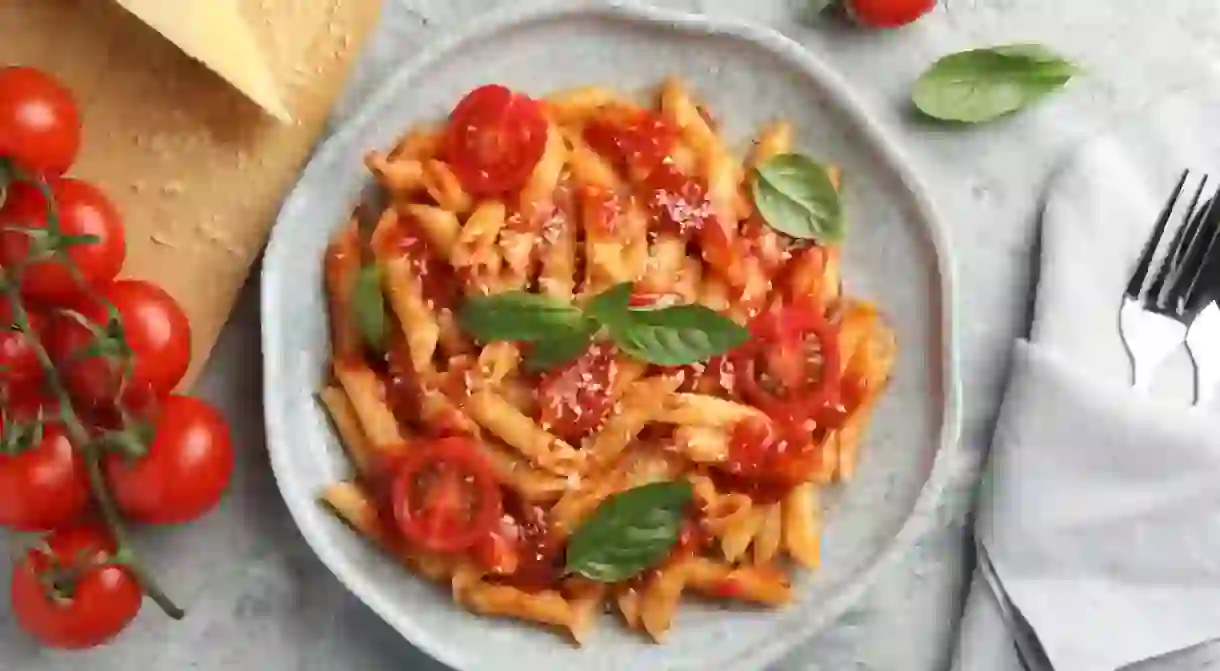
[1178,305]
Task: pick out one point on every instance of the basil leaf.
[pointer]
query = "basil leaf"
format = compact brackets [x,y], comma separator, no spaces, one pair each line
[368,307]
[676,336]
[611,305]
[795,196]
[631,531]
[518,315]
[557,351]
[983,84]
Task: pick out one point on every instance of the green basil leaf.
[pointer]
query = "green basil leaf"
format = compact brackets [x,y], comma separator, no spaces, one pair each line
[518,315]
[983,84]
[557,351]
[676,336]
[630,532]
[795,196]
[611,305]
[368,307]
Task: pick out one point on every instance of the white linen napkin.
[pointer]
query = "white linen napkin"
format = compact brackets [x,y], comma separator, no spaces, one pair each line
[1100,513]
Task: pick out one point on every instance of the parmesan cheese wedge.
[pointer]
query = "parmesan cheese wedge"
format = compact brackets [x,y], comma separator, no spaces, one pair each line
[215,33]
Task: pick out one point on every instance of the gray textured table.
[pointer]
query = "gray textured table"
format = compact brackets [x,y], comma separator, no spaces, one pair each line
[259,599]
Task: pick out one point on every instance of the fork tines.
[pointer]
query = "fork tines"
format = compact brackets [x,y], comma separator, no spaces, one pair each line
[1176,288]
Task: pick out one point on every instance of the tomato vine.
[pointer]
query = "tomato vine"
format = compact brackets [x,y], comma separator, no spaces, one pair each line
[55,246]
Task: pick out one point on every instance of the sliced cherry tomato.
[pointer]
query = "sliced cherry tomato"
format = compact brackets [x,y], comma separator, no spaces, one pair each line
[494,139]
[637,140]
[186,470]
[888,13]
[781,335]
[82,210]
[155,328]
[66,595]
[43,482]
[39,122]
[20,371]
[445,496]
[575,399]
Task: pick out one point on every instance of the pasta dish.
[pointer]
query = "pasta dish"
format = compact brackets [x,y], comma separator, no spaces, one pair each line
[588,355]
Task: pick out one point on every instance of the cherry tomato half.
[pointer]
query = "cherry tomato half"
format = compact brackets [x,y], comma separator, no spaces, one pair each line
[43,483]
[83,210]
[574,399]
[186,469]
[20,372]
[39,123]
[445,496]
[67,596]
[494,139]
[156,330]
[888,13]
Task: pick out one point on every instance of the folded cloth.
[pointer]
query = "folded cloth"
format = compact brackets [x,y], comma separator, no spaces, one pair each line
[1101,517]
[1099,520]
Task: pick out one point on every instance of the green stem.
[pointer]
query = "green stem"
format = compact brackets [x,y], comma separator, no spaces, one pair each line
[79,436]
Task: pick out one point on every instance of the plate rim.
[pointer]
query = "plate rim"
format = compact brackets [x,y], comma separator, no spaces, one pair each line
[839,94]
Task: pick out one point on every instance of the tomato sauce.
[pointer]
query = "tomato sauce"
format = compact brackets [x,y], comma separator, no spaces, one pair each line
[768,459]
[539,550]
[574,400]
[439,285]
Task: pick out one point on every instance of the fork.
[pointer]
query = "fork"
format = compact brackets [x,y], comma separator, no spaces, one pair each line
[1177,307]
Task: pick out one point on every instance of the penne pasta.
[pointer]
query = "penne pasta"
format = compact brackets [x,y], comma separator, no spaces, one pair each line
[766,585]
[639,404]
[501,240]
[542,448]
[367,397]
[801,515]
[343,415]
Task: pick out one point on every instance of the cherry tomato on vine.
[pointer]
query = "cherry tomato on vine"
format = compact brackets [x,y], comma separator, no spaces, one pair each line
[66,595]
[445,496]
[494,139]
[20,372]
[887,13]
[39,123]
[82,210]
[43,483]
[185,471]
[155,329]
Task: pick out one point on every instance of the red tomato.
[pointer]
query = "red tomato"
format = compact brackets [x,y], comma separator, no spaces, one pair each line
[155,328]
[186,469]
[43,483]
[83,210]
[445,496]
[639,140]
[494,139]
[20,372]
[39,123]
[888,13]
[780,338]
[69,597]
[576,398]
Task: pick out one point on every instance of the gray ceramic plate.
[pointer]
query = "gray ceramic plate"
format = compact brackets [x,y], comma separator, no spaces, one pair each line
[896,254]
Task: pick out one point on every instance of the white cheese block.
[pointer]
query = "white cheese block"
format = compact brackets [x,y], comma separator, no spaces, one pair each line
[215,33]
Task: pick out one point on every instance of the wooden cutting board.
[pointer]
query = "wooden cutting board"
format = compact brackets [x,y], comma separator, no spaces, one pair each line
[197,169]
